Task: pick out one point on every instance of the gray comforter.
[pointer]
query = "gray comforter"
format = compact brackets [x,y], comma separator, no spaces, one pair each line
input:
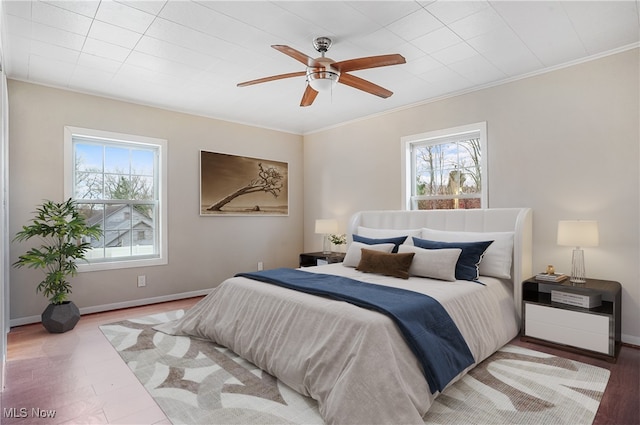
[353,361]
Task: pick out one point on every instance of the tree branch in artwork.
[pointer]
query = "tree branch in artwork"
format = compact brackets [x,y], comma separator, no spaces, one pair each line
[269,180]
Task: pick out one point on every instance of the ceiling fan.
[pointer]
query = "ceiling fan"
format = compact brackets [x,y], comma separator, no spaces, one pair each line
[323,73]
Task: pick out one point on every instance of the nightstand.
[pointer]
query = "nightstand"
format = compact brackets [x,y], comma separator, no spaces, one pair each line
[318,258]
[591,331]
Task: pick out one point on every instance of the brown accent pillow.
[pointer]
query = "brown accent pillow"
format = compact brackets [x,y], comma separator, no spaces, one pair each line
[396,265]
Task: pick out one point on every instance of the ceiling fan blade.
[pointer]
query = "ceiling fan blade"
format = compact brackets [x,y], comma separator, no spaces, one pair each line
[364,85]
[272,78]
[297,55]
[308,96]
[368,62]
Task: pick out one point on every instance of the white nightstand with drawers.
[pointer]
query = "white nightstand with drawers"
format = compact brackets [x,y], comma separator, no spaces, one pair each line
[591,331]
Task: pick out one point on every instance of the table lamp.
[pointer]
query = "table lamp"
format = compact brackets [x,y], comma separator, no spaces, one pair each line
[326,226]
[578,233]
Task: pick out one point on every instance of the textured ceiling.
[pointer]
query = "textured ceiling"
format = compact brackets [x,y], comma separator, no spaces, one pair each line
[189,55]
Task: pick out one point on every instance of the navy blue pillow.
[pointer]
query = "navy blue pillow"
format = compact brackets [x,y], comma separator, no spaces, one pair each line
[397,241]
[472,252]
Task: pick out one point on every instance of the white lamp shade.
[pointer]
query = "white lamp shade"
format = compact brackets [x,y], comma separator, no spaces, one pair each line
[326,226]
[578,233]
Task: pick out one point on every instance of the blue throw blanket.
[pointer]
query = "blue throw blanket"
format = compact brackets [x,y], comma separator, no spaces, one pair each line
[426,326]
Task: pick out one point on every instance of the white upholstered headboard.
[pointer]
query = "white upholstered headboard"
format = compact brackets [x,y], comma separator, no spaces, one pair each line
[517,220]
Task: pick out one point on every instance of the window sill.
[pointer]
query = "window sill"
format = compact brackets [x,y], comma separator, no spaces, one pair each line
[124,264]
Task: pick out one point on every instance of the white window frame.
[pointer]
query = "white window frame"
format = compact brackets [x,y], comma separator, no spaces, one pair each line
[127,139]
[440,136]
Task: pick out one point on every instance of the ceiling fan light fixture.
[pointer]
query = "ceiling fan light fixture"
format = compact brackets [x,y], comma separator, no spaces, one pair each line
[322,80]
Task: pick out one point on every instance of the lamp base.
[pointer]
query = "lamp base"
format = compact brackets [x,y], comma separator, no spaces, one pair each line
[326,245]
[577,266]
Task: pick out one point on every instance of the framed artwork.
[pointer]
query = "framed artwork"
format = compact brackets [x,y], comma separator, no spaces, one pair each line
[241,185]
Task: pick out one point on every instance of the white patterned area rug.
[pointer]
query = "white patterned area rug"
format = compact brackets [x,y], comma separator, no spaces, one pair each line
[199,382]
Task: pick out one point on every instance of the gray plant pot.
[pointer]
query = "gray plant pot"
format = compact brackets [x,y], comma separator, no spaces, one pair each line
[59,318]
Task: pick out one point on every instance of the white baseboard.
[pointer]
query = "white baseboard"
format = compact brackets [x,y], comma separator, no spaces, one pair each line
[630,339]
[116,306]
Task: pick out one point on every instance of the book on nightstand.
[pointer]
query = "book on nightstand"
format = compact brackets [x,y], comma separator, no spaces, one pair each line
[551,277]
[577,299]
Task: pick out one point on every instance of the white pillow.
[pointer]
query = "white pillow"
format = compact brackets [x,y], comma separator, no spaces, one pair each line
[497,258]
[354,253]
[434,263]
[370,232]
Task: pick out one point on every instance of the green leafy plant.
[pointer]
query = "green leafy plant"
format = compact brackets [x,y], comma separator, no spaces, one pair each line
[64,233]
[338,239]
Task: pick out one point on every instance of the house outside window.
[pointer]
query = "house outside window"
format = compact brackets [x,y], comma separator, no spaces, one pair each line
[119,182]
[445,169]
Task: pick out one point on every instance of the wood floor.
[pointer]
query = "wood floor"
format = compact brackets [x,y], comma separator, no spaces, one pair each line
[82,378]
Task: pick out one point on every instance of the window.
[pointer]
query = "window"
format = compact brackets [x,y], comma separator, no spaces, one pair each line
[119,182]
[446,169]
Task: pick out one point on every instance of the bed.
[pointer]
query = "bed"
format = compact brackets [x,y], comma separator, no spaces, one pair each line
[354,361]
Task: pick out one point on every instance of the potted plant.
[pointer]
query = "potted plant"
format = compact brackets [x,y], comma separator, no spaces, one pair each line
[65,239]
[338,241]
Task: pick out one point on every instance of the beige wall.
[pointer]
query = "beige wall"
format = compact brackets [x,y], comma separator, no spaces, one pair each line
[565,143]
[202,250]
